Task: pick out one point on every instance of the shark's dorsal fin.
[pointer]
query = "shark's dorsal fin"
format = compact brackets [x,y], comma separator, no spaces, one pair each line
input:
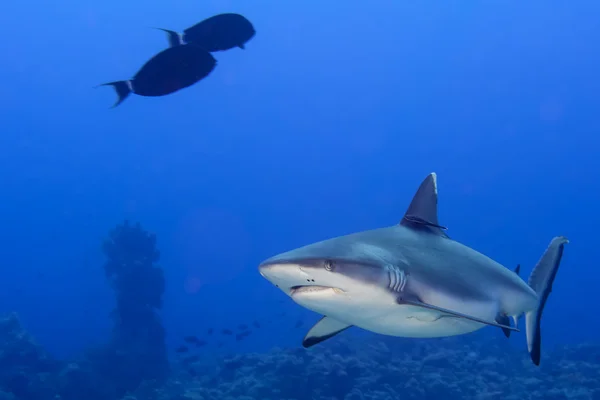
[324,329]
[422,212]
[518,269]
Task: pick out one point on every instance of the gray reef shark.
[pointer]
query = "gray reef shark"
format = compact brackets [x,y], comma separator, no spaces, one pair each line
[412,280]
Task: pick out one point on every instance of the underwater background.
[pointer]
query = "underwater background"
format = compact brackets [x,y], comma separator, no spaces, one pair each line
[324,125]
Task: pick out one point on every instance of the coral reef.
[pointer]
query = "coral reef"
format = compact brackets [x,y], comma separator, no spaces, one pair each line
[347,368]
[391,369]
[26,370]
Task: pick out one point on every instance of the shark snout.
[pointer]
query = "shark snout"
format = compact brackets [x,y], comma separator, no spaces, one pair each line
[285,276]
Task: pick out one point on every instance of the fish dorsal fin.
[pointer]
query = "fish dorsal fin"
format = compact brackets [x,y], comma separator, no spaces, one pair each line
[422,212]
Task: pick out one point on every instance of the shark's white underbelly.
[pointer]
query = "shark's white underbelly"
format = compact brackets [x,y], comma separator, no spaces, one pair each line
[416,322]
[380,314]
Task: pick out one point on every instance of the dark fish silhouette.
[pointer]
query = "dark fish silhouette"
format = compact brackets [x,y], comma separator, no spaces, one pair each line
[226,332]
[167,72]
[191,339]
[256,324]
[217,33]
[242,327]
[182,349]
[242,335]
[210,331]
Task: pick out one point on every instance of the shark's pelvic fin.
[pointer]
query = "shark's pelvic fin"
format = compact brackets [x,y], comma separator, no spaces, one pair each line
[324,329]
[422,211]
[541,280]
[457,314]
[503,319]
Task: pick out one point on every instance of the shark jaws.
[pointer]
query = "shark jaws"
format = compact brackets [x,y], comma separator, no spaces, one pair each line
[412,280]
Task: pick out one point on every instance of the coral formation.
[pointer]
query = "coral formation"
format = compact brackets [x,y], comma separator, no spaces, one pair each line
[393,368]
[345,368]
[137,350]
[26,369]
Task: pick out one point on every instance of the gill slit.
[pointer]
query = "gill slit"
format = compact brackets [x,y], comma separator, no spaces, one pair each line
[397,278]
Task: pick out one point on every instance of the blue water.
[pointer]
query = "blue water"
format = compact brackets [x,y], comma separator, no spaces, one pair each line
[324,125]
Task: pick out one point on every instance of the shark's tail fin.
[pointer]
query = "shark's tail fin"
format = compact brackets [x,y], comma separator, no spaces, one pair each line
[541,280]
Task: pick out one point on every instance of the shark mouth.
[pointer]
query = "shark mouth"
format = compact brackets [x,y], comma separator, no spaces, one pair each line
[313,289]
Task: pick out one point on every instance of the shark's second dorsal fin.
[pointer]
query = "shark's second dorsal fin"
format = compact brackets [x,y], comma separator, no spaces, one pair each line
[422,211]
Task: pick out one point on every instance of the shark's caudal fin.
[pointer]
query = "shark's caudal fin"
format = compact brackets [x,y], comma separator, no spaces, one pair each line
[324,329]
[541,280]
[422,212]
[123,89]
[175,39]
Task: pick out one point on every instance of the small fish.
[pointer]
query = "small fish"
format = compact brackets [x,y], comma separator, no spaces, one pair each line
[217,33]
[256,324]
[242,327]
[190,339]
[182,349]
[210,331]
[226,332]
[170,70]
[242,335]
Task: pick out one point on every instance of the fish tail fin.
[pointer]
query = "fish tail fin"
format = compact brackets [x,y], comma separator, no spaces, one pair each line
[540,281]
[175,39]
[123,89]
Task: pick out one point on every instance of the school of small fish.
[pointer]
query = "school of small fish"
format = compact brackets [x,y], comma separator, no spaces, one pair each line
[188,58]
[187,352]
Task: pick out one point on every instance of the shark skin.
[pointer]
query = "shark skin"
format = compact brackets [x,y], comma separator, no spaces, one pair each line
[412,280]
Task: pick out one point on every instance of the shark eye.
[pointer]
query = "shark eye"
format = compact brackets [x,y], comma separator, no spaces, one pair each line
[329,265]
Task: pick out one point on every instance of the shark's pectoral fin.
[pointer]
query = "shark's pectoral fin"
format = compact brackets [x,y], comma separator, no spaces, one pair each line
[418,303]
[502,319]
[324,329]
